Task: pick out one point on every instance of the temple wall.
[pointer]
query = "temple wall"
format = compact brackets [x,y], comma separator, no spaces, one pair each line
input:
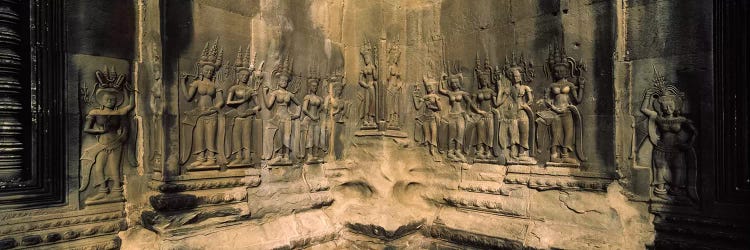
[209,134]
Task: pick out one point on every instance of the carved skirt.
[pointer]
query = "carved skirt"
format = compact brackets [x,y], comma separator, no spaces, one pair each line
[508,133]
[669,166]
[563,128]
[242,134]
[204,134]
[456,125]
[485,130]
[314,133]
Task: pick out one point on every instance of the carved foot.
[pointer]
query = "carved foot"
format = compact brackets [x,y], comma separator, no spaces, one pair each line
[198,162]
[236,162]
[209,162]
[570,160]
[96,198]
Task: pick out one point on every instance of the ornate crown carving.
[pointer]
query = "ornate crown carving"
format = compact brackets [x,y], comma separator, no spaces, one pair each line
[111,83]
[483,69]
[368,50]
[664,91]
[558,57]
[212,55]
[312,74]
[525,67]
[244,61]
[109,78]
[284,68]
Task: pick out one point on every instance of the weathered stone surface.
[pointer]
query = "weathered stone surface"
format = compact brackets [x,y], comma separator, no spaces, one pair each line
[419,124]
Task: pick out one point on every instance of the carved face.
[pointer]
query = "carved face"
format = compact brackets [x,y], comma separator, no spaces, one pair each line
[668,107]
[283,81]
[313,87]
[484,79]
[559,72]
[455,82]
[368,59]
[430,88]
[109,100]
[517,78]
[243,76]
[207,71]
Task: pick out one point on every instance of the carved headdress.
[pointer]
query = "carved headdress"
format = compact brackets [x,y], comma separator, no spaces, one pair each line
[394,53]
[526,68]
[109,82]
[337,80]
[665,92]
[557,57]
[212,55]
[244,61]
[313,75]
[369,51]
[483,70]
[284,69]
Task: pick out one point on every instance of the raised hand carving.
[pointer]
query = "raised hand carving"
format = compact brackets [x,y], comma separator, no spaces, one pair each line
[368,79]
[313,135]
[486,98]
[668,147]
[514,111]
[241,96]
[426,130]
[277,132]
[203,126]
[395,87]
[457,117]
[101,162]
[562,115]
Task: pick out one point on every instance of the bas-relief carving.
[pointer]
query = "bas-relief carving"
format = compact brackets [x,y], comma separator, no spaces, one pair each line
[562,119]
[338,110]
[156,103]
[202,128]
[312,134]
[514,111]
[426,125]
[368,80]
[277,131]
[458,117]
[101,162]
[668,145]
[242,98]
[394,87]
[486,99]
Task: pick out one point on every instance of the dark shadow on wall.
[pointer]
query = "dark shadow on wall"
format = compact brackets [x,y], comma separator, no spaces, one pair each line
[101,28]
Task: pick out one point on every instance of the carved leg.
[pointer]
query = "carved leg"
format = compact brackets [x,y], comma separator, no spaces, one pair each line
[210,158]
[112,171]
[97,177]
[237,141]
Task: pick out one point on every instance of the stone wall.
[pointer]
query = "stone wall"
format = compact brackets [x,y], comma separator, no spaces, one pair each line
[326,124]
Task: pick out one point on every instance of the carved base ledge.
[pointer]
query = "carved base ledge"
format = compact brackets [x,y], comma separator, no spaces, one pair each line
[386,133]
[550,178]
[39,239]
[205,184]
[40,229]
[466,238]
[266,204]
[193,221]
[485,187]
[488,203]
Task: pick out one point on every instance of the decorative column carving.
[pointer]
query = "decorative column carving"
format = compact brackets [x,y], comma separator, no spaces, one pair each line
[11,91]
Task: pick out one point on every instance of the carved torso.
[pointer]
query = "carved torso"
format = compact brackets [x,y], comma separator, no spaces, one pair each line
[561,92]
[206,91]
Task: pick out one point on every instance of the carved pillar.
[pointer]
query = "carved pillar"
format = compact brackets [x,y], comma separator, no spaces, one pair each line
[11,91]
